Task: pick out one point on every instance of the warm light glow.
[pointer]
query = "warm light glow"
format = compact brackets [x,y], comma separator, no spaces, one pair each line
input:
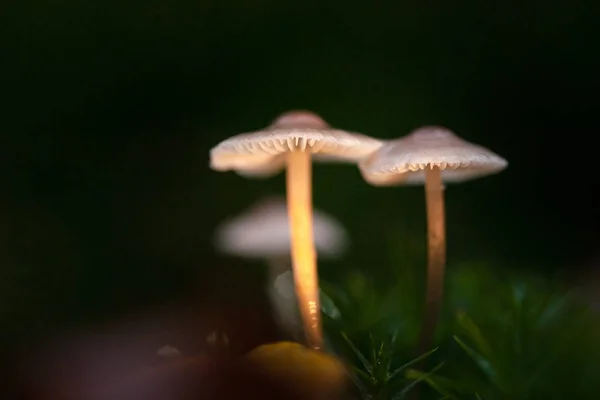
[304,260]
[436,253]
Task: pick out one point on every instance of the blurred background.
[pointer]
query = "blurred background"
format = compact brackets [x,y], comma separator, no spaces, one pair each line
[109,110]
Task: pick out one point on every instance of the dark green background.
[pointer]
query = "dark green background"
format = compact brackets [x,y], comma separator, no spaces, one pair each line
[109,109]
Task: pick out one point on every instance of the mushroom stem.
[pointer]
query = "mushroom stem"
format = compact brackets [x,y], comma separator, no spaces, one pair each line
[436,253]
[277,265]
[285,307]
[304,262]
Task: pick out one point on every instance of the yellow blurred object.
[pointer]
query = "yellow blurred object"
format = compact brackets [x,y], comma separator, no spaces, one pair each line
[316,374]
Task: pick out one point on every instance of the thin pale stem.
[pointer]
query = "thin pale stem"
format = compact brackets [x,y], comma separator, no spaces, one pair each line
[436,253]
[285,307]
[304,260]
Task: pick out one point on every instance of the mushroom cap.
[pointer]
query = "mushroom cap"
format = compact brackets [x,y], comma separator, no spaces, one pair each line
[263,171]
[168,351]
[403,161]
[263,232]
[314,374]
[262,153]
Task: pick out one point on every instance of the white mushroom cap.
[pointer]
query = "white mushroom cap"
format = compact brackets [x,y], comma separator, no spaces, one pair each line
[403,161]
[272,168]
[262,153]
[168,351]
[263,232]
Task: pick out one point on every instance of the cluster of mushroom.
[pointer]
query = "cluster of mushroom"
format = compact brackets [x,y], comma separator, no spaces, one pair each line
[429,155]
[263,232]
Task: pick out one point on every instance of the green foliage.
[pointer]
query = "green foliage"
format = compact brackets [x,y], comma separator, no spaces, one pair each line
[535,343]
[365,328]
[359,305]
[509,337]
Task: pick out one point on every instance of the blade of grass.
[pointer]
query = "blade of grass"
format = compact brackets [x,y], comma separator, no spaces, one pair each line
[373,352]
[412,362]
[361,374]
[474,333]
[368,367]
[387,361]
[414,383]
[432,380]
[356,379]
[483,364]
[552,312]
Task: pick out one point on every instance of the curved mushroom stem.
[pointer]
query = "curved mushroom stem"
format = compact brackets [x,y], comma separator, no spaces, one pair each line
[284,305]
[436,253]
[282,294]
[304,261]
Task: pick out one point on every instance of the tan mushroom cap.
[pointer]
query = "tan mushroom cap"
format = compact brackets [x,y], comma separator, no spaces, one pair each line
[262,153]
[403,161]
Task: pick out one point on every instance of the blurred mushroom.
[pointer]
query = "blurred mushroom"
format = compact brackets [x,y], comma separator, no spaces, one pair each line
[431,155]
[281,293]
[263,232]
[290,141]
[315,375]
[168,351]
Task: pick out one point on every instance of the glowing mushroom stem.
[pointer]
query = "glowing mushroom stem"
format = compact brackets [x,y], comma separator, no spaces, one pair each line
[436,253]
[304,261]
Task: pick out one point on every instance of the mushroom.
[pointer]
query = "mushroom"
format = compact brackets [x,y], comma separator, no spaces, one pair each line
[290,141]
[263,232]
[168,351]
[431,155]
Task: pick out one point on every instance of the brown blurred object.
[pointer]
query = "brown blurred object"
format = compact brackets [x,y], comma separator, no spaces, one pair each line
[283,370]
[312,374]
[117,358]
